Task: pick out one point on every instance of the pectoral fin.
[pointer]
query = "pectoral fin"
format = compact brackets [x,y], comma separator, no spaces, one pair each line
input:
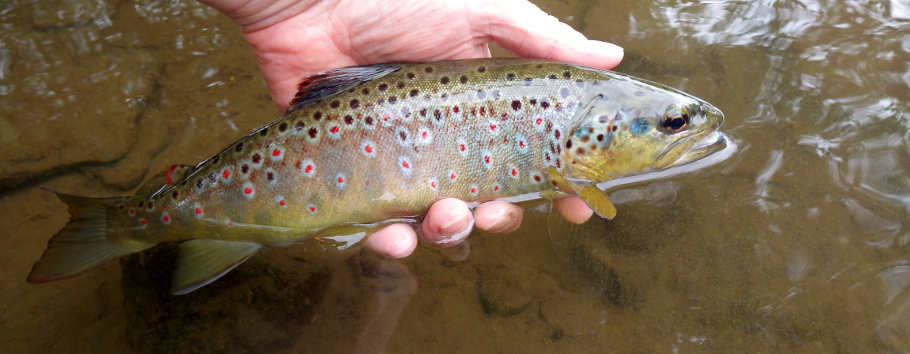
[202,261]
[593,196]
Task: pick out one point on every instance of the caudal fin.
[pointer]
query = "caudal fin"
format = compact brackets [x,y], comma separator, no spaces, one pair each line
[83,243]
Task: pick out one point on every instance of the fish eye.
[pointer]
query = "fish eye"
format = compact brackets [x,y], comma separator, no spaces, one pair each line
[675,124]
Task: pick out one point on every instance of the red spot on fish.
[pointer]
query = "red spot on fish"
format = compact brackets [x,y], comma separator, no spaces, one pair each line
[198,211]
[452,176]
[231,223]
[167,175]
[132,211]
[405,164]
[521,143]
[455,109]
[340,179]
[282,202]
[496,188]
[226,174]
[514,172]
[473,190]
[308,169]
[142,222]
[166,219]
[536,178]
[334,130]
[277,152]
[368,149]
[492,127]
[462,147]
[487,159]
[424,134]
[248,190]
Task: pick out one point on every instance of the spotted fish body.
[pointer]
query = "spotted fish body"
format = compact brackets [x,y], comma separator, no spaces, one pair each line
[365,144]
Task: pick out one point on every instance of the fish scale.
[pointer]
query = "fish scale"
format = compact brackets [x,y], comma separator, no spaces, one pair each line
[365,144]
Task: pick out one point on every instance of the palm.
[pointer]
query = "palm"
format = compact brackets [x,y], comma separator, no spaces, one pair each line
[295,48]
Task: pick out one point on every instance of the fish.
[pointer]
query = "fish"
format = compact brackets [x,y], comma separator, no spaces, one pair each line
[362,146]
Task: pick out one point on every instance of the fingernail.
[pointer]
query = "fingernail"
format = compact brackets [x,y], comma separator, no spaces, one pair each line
[454,225]
[608,47]
[501,225]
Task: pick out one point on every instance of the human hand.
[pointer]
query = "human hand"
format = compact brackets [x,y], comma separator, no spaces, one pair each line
[294,39]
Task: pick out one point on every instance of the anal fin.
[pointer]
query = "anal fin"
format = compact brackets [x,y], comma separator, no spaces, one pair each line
[203,261]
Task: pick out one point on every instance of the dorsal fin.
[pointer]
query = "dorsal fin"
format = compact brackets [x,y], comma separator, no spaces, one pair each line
[335,81]
[163,179]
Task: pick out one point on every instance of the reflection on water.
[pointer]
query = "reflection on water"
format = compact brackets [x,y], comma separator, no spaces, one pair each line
[799,242]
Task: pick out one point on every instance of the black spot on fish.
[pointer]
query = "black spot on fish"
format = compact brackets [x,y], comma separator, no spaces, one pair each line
[257,157]
[516,105]
[403,135]
[141,203]
[354,104]
[600,138]
[399,84]
[312,132]
[239,147]
[437,114]
[481,69]
[334,104]
[569,144]
[414,92]
[423,112]
[552,77]
[383,87]
[211,179]
[198,185]
[282,127]
[264,131]
[245,168]
[566,74]
[533,101]
[544,104]
[411,75]
[510,76]
[174,195]
[463,79]
[348,119]
[444,80]
[270,176]
[556,133]
[365,91]
[298,126]
[317,116]
[368,120]
[428,69]
[393,99]
[215,159]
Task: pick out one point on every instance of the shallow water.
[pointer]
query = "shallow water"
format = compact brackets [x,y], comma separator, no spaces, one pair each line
[799,242]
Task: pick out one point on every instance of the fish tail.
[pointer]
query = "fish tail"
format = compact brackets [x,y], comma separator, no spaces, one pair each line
[84,242]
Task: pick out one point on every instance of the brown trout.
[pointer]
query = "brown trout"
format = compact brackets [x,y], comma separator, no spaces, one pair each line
[361,145]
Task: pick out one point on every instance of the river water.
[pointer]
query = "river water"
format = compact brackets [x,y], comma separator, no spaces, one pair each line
[798,242]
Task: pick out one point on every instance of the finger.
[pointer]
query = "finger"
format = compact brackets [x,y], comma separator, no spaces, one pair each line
[448,222]
[527,31]
[573,209]
[395,241]
[498,217]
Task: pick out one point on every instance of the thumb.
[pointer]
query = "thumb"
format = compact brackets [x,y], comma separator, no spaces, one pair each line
[525,30]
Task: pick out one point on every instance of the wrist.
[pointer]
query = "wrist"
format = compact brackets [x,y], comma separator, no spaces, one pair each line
[254,15]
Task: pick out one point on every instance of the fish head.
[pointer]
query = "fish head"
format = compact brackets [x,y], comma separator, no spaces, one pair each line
[639,127]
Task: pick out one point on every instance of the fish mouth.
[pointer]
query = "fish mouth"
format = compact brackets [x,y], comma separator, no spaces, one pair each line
[691,148]
[706,144]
